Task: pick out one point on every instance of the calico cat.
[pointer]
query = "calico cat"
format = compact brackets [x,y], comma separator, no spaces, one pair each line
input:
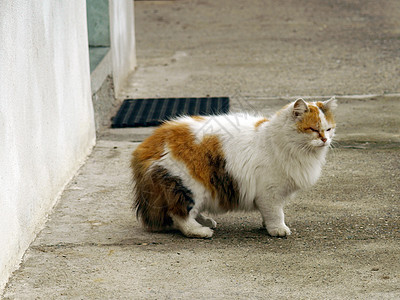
[230,162]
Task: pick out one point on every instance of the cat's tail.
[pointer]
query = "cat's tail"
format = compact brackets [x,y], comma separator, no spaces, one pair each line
[158,195]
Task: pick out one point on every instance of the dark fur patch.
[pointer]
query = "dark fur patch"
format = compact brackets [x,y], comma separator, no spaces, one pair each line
[226,187]
[159,194]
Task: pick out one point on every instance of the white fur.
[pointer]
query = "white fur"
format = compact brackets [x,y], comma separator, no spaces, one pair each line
[270,163]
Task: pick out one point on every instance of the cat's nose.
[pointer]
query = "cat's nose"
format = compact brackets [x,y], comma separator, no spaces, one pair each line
[324,139]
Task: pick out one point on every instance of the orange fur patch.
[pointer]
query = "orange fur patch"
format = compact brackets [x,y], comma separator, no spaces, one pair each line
[198,118]
[259,122]
[310,119]
[150,149]
[183,147]
[206,163]
[205,160]
[320,105]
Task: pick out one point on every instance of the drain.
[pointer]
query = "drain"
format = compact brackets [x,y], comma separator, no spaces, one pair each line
[154,111]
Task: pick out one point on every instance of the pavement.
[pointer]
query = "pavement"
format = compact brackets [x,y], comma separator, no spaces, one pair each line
[262,54]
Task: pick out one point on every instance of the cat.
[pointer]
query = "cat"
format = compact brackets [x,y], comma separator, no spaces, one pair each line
[230,162]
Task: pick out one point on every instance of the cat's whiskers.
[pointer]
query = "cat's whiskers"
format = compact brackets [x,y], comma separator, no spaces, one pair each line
[333,148]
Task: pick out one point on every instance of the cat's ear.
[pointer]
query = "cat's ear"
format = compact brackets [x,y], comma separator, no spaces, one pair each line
[330,104]
[300,107]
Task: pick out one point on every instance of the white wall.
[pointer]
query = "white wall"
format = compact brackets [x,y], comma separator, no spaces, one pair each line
[122,30]
[46,115]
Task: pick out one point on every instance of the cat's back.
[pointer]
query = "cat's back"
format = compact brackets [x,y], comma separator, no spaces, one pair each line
[227,126]
[213,133]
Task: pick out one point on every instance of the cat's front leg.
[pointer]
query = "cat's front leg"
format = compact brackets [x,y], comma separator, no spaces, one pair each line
[273,218]
[280,230]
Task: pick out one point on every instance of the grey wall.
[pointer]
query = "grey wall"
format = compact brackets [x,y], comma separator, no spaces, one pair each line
[122,29]
[46,114]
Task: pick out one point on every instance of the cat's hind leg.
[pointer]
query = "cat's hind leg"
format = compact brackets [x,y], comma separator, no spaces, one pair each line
[191,228]
[206,221]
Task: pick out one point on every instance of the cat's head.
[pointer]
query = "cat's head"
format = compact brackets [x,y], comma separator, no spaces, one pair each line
[314,121]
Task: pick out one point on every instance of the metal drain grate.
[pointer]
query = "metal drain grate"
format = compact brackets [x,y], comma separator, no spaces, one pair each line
[152,112]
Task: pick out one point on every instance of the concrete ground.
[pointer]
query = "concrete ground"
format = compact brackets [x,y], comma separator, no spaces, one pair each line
[346,230]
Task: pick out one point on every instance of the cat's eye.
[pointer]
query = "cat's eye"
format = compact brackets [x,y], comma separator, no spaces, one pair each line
[329,129]
[313,129]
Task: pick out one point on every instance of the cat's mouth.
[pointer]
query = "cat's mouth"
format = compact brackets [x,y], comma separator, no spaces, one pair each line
[322,145]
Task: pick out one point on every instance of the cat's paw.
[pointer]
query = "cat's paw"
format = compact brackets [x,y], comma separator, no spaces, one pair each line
[199,232]
[206,221]
[279,231]
[210,223]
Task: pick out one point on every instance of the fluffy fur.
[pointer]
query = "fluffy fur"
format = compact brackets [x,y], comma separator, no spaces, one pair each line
[230,162]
